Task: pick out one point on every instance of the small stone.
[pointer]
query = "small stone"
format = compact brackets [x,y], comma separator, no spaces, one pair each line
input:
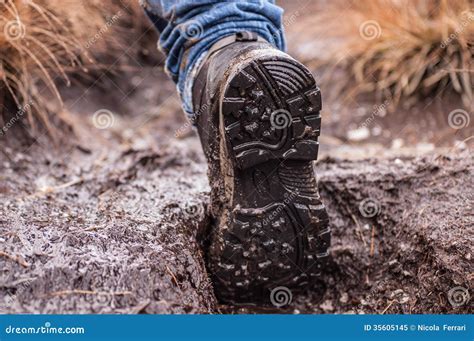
[461,145]
[376,131]
[425,147]
[404,299]
[400,296]
[327,305]
[256,94]
[251,127]
[397,144]
[142,228]
[344,298]
[359,134]
[251,110]
[404,246]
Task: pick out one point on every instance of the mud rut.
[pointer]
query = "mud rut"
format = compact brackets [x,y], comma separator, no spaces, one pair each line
[114,225]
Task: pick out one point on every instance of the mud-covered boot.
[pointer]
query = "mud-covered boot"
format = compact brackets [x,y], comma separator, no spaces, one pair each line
[258,116]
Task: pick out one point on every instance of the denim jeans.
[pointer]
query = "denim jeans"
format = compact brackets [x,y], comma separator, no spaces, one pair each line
[188,28]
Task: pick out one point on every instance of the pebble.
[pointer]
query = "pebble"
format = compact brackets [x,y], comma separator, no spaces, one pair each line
[359,134]
[327,305]
[398,162]
[397,144]
[460,145]
[344,298]
[376,131]
[400,296]
[425,147]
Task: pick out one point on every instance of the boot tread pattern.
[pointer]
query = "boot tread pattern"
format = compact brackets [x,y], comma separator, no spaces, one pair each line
[277,232]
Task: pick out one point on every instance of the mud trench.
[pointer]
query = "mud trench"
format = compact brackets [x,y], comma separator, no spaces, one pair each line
[115,231]
[110,221]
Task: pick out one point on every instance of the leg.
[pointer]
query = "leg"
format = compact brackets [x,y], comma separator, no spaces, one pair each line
[190,27]
[257,111]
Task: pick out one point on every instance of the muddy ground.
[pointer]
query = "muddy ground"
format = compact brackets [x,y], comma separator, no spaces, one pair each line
[111,222]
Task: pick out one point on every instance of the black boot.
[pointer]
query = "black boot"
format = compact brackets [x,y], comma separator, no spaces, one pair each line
[258,116]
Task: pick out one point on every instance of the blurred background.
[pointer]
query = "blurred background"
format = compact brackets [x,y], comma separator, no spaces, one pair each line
[396,75]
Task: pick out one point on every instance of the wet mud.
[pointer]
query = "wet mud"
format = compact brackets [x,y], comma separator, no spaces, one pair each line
[120,234]
[113,221]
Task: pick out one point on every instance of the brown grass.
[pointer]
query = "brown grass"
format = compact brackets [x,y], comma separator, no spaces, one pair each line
[43,42]
[399,49]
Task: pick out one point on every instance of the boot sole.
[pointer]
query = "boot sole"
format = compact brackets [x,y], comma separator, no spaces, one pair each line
[276,232]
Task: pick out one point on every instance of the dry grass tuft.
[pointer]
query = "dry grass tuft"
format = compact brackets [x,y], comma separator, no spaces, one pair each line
[42,43]
[400,49]
[35,45]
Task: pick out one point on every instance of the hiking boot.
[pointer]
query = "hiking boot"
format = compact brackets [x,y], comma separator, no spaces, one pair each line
[258,117]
